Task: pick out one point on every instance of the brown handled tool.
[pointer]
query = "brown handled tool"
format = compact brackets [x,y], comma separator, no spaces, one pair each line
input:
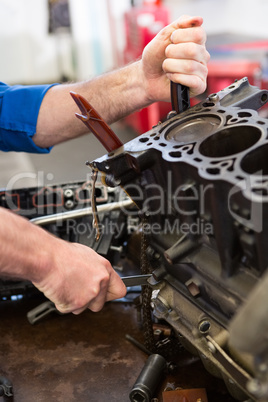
[90,117]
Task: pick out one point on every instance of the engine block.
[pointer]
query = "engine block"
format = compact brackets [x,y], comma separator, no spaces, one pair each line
[200,182]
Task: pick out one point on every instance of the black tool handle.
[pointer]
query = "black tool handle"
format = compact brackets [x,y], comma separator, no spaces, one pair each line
[180,97]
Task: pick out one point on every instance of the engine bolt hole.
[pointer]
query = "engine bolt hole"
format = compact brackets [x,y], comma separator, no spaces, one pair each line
[143,139]
[264,98]
[204,326]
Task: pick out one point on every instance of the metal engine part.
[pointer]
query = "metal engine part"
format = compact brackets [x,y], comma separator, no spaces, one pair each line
[201,180]
[65,210]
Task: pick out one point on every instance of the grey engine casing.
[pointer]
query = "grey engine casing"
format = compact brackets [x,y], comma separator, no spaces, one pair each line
[200,179]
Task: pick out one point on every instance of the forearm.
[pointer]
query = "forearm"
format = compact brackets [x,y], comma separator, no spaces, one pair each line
[177,53]
[71,275]
[113,95]
[23,248]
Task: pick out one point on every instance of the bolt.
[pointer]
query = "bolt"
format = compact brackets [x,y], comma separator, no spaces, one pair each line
[161,308]
[167,257]
[254,387]
[211,347]
[193,288]
[171,114]
[68,193]
[169,387]
[171,367]
[213,97]
[263,367]
[157,334]
[69,204]
[115,248]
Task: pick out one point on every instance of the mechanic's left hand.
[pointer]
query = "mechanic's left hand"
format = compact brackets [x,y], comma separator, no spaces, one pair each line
[177,53]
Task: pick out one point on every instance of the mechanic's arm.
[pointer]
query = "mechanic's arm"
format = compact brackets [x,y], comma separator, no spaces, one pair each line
[178,53]
[71,275]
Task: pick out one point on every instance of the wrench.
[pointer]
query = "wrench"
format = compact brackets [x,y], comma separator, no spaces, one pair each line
[48,307]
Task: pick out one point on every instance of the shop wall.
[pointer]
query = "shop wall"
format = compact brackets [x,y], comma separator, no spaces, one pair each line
[235,16]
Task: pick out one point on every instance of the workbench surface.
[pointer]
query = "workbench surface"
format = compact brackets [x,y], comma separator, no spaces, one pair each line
[68,358]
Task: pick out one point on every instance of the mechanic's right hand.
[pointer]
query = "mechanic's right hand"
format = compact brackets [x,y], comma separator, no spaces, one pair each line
[78,278]
[176,53]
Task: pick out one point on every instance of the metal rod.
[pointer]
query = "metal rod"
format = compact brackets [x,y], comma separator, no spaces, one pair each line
[63,216]
[138,344]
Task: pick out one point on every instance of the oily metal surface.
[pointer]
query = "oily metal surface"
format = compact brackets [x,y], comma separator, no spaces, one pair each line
[67,358]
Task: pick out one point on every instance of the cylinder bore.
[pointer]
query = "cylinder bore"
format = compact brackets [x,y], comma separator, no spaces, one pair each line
[256,161]
[193,128]
[230,141]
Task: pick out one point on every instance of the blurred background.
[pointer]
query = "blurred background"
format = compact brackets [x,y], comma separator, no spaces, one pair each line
[45,41]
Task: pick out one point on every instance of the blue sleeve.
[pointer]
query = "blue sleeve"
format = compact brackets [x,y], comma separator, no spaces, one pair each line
[19,108]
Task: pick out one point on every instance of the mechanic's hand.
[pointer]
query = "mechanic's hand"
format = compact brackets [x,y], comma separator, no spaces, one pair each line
[79,278]
[177,53]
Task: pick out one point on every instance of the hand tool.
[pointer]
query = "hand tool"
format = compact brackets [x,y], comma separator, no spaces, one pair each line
[6,388]
[41,311]
[136,280]
[91,118]
[107,137]
[48,307]
[180,97]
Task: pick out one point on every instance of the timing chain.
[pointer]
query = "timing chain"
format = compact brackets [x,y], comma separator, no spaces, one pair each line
[146,295]
[168,348]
